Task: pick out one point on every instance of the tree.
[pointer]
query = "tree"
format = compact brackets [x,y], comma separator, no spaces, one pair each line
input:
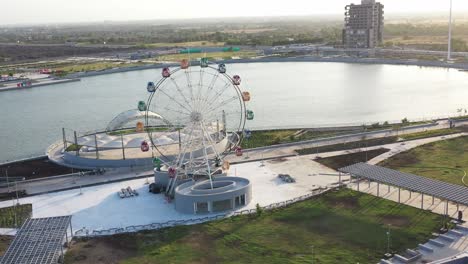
[405,121]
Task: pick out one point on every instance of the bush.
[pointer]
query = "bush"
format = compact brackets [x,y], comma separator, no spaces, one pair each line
[258,210]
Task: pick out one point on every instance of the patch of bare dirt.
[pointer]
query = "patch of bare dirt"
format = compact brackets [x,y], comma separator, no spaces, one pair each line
[345,202]
[277,160]
[4,243]
[396,220]
[201,242]
[100,251]
[34,169]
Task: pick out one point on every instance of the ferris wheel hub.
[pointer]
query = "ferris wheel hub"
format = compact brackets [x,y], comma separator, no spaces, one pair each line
[196,117]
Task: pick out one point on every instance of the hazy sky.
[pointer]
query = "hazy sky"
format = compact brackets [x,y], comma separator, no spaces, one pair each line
[43,11]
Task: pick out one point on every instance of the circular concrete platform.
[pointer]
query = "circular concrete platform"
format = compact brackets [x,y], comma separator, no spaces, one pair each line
[223,194]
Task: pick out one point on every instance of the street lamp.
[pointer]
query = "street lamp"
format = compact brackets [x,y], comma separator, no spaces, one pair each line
[388,254]
[7,179]
[313,255]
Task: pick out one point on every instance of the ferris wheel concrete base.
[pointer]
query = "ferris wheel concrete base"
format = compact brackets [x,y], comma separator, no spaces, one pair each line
[220,195]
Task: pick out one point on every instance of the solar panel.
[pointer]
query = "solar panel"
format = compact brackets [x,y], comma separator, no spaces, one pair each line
[38,241]
[443,190]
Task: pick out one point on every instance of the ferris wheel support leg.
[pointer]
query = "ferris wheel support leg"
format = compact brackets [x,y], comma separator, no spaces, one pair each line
[96,145]
[64,139]
[173,182]
[76,144]
[206,154]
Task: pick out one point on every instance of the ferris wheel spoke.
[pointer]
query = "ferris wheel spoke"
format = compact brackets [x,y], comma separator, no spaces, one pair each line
[211,85]
[206,157]
[215,97]
[200,88]
[177,111]
[180,91]
[222,104]
[213,145]
[177,102]
[189,84]
[182,153]
[204,100]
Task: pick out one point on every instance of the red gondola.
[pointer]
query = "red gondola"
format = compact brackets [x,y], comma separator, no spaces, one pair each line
[172,172]
[239,151]
[144,146]
[184,64]
[246,96]
[236,80]
[166,73]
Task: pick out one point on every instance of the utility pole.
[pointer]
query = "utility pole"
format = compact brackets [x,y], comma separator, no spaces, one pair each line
[449,53]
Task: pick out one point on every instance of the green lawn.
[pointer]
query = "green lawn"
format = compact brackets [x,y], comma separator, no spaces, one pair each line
[348,145]
[430,133]
[209,55]
[96,66]
[7,215]
[268,138]
[262,138]
[343,227]
[444,160]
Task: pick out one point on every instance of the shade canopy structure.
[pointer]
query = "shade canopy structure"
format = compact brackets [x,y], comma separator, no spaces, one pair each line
[442,190]
[123,119]
[38,241]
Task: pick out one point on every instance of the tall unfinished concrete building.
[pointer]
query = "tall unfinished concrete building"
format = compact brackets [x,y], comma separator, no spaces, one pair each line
[364,25]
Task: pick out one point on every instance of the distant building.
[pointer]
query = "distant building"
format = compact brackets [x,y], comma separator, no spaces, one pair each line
[364,25]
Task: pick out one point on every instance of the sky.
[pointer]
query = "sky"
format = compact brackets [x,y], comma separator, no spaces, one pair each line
[57,11]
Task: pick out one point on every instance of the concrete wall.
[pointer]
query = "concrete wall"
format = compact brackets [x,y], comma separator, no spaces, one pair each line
[184,203]
[74,161]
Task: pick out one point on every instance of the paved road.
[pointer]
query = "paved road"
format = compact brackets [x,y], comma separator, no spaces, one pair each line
[60,183]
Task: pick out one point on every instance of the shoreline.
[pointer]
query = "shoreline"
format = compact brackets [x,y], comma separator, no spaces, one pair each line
[75,77]
[39,84]
[376,61]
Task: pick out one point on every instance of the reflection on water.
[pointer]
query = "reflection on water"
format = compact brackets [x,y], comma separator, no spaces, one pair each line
[283,94]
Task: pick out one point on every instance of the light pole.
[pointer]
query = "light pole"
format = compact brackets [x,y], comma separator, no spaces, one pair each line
[7,179]
[388,254]
[449,53]
[313,254]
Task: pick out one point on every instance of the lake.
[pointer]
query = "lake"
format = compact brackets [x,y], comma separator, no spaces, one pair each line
[296,94]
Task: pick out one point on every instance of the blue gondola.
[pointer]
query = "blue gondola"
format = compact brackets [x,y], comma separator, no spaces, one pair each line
[151,87]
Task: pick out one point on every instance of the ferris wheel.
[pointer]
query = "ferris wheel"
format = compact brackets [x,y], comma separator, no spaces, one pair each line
[206,112]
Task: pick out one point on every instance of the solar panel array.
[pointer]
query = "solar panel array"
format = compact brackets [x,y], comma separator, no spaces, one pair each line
[446,191]
[38,241]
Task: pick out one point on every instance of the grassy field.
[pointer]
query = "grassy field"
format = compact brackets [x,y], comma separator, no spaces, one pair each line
[444,160]
[337,162]
[268,138]
[211,55]
[342,227]
[4,243]
[264,138]
[348,145]
[133,131]
[96,66]
[7,215]
[430,133]
[185,44]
